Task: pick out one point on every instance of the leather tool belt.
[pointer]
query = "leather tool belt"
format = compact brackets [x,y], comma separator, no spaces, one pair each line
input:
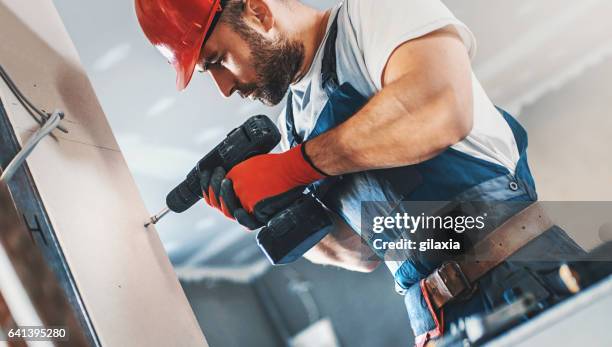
[454,279]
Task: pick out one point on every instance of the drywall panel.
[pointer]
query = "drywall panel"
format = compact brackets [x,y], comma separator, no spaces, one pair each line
[125,279]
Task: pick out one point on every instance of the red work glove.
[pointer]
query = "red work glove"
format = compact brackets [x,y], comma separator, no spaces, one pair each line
[269,176]
[219,193]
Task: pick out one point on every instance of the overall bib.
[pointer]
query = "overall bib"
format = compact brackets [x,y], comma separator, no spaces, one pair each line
[450,176]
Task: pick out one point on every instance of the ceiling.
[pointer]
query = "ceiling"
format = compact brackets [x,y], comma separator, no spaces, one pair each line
[525,49]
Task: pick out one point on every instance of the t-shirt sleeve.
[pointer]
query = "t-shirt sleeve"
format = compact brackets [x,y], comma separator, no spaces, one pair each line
[381,26]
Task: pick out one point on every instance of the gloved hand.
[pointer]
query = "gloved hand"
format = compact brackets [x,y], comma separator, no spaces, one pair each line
[218,193]
[210,183]
[265,183]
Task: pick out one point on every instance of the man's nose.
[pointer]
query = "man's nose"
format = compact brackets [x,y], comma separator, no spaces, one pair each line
[224,81]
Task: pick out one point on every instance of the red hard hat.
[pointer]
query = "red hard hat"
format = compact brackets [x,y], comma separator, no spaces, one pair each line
[178,29]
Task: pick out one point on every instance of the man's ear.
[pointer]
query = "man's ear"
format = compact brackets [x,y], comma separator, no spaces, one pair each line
[258,14]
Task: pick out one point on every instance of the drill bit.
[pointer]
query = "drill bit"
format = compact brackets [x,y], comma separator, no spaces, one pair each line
[156,217]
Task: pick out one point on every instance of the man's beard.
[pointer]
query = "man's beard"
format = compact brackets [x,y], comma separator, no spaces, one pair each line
[276,63]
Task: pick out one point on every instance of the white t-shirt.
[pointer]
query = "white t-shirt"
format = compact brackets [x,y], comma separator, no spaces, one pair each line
[368,33]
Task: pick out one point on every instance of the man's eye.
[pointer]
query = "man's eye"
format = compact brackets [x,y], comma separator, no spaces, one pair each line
[217,62]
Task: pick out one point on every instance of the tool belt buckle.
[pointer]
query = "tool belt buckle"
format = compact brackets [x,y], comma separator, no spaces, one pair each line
[448,282]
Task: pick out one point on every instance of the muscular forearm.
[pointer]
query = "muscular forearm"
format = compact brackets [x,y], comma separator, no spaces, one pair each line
[424,108]
[387,133]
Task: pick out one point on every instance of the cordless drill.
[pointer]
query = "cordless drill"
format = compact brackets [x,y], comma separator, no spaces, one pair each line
[291,232]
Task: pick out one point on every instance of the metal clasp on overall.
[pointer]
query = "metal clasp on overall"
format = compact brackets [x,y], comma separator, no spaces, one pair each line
[447,283]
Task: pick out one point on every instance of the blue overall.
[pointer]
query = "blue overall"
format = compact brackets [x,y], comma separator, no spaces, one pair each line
[450,176]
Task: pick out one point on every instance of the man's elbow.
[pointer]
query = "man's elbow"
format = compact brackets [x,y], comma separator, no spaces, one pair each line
[353,261]
[367,266]
[357,265]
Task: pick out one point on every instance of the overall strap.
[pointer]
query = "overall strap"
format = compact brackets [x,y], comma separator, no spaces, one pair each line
[292,136]
[329,77]
[329,81]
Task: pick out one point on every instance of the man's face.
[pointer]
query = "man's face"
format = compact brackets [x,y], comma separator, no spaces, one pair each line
[242,60]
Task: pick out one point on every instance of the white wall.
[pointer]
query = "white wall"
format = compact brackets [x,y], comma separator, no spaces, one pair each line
[570,133]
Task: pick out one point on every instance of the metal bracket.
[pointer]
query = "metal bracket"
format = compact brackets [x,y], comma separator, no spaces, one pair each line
[49,125]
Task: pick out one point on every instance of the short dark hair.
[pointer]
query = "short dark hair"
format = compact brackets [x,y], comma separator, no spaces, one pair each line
[232,15]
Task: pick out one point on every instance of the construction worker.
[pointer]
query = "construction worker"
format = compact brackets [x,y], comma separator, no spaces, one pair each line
[381,102]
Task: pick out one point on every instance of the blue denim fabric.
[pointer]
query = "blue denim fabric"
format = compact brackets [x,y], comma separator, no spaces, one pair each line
[501,285]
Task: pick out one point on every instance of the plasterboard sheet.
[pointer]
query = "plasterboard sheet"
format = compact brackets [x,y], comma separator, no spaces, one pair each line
[126,281]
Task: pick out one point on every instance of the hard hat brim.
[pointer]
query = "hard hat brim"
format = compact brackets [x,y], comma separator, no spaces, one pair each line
[185,67]
[186,63]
